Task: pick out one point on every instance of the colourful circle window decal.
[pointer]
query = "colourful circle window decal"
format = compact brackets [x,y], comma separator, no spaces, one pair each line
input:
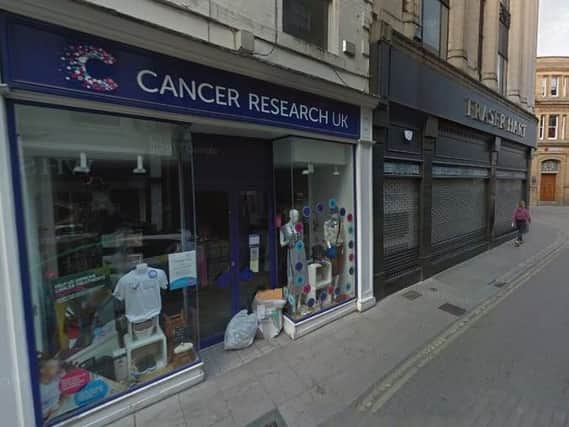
[306,289]
[350,217]
[299,227]
[299,245]
[337,291]
[351,271]
[306,211]
[332,203]
[349,287]
[330,290]
[351,244]
[291,299]
[351,257]
[319,207]
[299,280]
[310,302]
[323,296]
[299,266]
[351,229]
[342,212]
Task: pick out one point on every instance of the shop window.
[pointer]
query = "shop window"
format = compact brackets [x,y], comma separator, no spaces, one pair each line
[541,126]
[434,26]
[553,123]
[315,203]
[554,86]
[108,249]
[307,20]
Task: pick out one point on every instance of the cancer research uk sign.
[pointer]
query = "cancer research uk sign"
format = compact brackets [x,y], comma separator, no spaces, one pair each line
[55,60]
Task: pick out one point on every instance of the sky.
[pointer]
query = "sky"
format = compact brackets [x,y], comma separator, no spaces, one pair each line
[553,38]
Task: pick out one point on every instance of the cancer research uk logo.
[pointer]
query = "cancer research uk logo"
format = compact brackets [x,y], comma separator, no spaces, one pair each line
[78,62]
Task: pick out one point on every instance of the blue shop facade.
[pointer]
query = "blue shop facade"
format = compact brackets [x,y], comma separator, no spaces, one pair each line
[152,196]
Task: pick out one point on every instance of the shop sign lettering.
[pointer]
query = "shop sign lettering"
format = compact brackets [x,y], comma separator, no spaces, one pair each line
[79,65]
[205,92]
[493,117]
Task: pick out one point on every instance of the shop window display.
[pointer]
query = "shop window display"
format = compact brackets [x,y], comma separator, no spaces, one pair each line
[111,255]
[315,201]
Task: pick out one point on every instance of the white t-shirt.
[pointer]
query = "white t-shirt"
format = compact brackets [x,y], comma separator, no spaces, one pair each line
[141,293]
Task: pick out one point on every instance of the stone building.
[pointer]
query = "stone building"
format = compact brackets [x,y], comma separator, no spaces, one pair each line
[162,160]
[454,131]
[550,166]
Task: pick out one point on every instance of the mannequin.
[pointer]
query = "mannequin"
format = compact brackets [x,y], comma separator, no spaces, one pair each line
[291,236]
[334,243]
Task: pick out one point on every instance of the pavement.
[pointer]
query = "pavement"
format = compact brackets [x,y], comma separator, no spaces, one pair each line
[501,359]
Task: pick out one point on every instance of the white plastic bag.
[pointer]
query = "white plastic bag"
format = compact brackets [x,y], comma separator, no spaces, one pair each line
[270,316]
[240,332]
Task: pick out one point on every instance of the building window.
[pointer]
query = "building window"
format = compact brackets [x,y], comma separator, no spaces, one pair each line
[555,86]
[307,20]
[550,166]
[552,126]
[544,87]
[503,42]
[434,24]
[541,126]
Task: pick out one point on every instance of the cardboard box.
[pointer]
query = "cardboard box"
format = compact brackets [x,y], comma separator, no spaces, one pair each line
[270,294]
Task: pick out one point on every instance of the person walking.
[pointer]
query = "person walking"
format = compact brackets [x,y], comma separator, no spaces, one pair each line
[520,221]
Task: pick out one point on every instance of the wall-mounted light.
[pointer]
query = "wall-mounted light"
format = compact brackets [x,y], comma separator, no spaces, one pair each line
[83,166]
[309,169]
[139,169]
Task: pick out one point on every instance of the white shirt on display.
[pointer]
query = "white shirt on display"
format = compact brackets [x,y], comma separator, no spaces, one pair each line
[141,293]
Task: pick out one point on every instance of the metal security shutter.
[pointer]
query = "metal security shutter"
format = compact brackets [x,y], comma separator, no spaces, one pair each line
[508,193]
[401,215]
[401,225]
[459,209]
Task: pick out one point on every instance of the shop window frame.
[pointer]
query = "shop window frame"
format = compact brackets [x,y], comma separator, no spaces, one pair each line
[355,296]
[16,173]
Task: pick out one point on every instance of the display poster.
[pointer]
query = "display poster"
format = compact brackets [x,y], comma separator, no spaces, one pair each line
[254,259]
[182,268]
[74,286]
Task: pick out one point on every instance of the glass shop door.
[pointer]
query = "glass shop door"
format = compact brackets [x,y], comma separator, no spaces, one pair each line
[234,255]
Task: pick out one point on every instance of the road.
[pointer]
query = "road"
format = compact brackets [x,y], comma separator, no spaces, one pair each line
[511,368]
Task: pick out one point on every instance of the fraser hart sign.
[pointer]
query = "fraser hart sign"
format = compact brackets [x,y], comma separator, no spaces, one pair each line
[493,117]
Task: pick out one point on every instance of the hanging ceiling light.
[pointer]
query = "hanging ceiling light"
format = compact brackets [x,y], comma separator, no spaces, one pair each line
[139,169]
[336,171]
[83,166]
